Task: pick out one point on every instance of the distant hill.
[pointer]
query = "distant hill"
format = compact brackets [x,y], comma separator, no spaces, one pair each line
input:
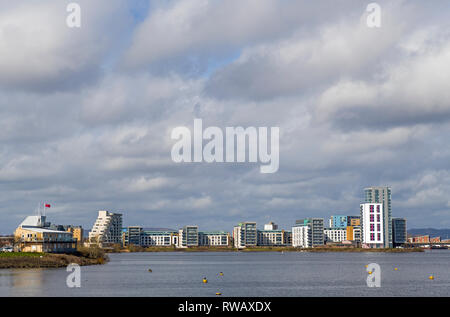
[443,233]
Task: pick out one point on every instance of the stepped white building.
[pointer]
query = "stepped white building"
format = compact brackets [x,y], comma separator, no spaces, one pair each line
[107,228]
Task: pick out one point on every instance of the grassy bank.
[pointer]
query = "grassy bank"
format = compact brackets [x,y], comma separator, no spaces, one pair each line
[84,256]
[258,249]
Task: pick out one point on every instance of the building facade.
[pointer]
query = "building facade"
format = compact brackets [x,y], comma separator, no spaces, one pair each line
[338,221]
[372,225]
[77,233]
[107,229]
[271,237]
[315,232]
[214,238]
[188,237]
[301,236]
[245,235]
[399,232]
[33,235]
[335,234]
[382,195]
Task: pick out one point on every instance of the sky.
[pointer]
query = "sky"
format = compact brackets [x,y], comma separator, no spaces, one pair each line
[86,113]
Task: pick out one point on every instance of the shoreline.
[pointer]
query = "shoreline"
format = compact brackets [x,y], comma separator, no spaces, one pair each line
[29,260]
[262,249]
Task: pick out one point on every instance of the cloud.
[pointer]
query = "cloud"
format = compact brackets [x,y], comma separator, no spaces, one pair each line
[39,51]
[86,114]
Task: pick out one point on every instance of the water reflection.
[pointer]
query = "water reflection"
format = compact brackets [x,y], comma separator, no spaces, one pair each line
[26,282]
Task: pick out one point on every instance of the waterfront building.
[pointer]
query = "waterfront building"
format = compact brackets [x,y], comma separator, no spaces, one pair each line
[33,235]
[421,239]
[353,220]
[245,235]
[354,233]
[435,240]
[107,228]
[158,238]
[288,238]
[399,232]
[372,225]
[382,195]
[271,237]
[335,234]
[188,237]
[338,221]
[315,225]
[271,226]
[214,238]
[301,236]
[77,232]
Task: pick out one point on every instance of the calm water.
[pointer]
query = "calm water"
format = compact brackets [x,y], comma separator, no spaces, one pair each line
[245,274]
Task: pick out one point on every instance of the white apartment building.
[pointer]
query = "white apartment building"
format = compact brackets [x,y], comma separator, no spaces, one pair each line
[300,236]
[214,238]
[107,228]
[335,234]
[372,225]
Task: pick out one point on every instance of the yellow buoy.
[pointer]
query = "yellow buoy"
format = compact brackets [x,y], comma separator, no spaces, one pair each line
[218,293]
[370,272]
[205,280]
[221,274]
[395,269]
[431,277]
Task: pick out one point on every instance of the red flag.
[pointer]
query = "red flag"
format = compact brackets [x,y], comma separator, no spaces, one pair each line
[47,205]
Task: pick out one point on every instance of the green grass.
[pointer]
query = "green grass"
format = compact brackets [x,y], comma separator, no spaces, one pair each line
[20,254]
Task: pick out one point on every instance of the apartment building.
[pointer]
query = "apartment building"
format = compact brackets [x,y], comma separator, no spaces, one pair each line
[382,195]
[399,233]
[335,234]
[315,232]
[214,238]
[372,225]
[301,236]
[245,235]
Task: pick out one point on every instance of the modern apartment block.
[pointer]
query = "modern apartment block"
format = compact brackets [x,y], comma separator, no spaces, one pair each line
[107,229]
[271,237]
[354,233]
[188,237]
[315,225]
[372,225]
[382,195]
[301,236]
[214,238]
[353,220]
[77,232]
[245,235]
[338,221]
[399,232]
[136,235]
[335,234]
